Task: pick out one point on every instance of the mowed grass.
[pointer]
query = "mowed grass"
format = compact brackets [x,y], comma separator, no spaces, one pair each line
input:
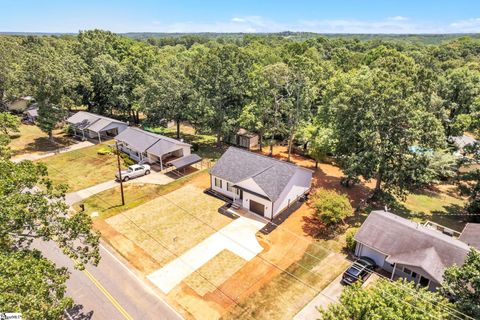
[108,203]
[82,168]
[285,295]
[171,224]
[437,206]
[215,272]
[30,139]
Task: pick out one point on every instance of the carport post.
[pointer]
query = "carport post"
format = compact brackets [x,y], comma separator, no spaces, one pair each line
[393,272]
[120,173]
[99,140]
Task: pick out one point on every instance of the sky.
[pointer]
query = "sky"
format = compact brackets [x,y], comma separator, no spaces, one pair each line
[322,16]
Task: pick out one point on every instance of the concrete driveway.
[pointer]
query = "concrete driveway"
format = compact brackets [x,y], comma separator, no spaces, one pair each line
[238,237]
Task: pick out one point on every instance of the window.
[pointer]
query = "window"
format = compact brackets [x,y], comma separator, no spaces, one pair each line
[218,183]
[424,282]
[229,187]
[407,271]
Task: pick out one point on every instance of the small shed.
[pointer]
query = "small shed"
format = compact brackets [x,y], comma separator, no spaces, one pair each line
[31,114]
[245,139]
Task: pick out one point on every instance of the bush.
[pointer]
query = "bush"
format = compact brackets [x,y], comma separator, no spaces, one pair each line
[350,242]
[330,206]
[104,151]
[195,147]
[127,161]
[69,130]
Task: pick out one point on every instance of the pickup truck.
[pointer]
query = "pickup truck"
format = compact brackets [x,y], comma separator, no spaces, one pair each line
[134,171]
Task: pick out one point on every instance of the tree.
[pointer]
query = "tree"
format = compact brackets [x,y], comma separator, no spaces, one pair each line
[321,142]
[463,284]
[220,80]
[32,207]
[8,124]
[330,206]
[377,116]
[32,285]
[168,91]
[388,301]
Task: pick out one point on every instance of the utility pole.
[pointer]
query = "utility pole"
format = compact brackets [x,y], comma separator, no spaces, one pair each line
[120,173]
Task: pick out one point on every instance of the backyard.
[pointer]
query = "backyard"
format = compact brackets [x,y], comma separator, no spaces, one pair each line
[30,139]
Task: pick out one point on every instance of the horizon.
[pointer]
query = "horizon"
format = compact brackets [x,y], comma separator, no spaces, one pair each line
[407,17]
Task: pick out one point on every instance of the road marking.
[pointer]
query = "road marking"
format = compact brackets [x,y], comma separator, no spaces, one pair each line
[140,281]
[108,295]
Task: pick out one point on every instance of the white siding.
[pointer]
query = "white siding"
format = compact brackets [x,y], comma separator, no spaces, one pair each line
[186,150]
[223,189]
[297,186]
[120,126]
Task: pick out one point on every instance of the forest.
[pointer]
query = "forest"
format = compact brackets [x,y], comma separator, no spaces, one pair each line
[384,108]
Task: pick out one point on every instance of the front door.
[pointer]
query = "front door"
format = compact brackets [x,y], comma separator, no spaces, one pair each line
[240,194]
[257,207]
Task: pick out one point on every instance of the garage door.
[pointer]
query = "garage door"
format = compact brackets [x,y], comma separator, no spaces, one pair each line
[256,207]
[375,255]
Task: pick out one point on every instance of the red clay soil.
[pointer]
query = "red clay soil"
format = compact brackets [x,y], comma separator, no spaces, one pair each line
[137,257]
[281,249]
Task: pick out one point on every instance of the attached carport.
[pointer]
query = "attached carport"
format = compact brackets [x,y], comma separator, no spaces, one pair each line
[186,161]
[90,125]
[162,150]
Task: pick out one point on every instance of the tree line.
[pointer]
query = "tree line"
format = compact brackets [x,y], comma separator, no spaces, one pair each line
[383,108]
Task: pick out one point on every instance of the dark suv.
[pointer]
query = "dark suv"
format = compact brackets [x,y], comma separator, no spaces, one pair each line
[360,269]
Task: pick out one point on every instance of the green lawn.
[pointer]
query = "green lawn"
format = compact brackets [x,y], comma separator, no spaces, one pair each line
[81,168]
[108,203]
[30,139]
[284,296]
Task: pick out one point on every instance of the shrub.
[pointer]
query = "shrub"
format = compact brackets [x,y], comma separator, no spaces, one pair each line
[127,161]
[195,147]
[104,151]
[330,206]
[69,130]
[350,242]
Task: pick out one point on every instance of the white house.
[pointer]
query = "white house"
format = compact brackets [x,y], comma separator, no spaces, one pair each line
[408,249]
[148,147]
[94,126]
[260,184]
[21,104]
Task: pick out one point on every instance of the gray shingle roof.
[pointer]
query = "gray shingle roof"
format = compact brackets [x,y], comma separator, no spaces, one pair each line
[142,140]
[271,175]
[85,120]
[407,242]
[471,235]
[462,141]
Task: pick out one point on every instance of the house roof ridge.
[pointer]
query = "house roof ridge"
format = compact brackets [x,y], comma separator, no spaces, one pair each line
[100,116]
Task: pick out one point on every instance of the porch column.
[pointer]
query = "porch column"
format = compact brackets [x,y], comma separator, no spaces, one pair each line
[83,134]
[74,131]
[161,163]
[99,140]
[393,272]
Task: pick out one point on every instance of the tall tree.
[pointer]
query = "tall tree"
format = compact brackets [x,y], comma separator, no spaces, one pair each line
[220,79]
[378,116]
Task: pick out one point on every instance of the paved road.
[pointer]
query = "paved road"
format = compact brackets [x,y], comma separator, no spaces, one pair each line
[109,291]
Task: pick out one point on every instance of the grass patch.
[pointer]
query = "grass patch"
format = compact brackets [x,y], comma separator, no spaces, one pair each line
[284,296]
[217,271]
[30,139]
[108,202]
[171,223]
[81,168]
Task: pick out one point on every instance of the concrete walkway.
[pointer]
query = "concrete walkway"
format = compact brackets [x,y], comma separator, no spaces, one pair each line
[329,295]
[153,178]
[73,197]
[37,156]
[238,237]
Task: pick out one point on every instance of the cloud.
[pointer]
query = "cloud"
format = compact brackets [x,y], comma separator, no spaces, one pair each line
[398,18]
[259,24]
[470,25]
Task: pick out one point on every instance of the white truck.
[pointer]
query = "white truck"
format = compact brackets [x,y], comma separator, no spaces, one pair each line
[134,171]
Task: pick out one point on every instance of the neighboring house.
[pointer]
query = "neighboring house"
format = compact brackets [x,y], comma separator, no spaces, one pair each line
[471,235]
[260,184]
[245,139]
[461,142]
[31,114]
[21,104]
[408,249]
[94,126]
[148,147]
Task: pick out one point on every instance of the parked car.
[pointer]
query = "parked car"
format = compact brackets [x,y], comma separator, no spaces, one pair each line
[134,171]
[360,269]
